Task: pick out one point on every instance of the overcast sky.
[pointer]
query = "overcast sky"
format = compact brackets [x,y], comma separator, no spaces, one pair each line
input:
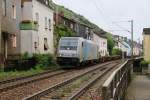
[105,13]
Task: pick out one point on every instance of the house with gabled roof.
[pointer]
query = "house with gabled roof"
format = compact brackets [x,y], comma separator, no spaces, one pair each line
[80,29]
[101,41]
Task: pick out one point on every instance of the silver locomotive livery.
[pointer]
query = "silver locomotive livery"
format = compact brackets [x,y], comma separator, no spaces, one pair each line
[76,50]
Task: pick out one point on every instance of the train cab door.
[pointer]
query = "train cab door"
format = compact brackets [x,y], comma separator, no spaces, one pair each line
[84,50]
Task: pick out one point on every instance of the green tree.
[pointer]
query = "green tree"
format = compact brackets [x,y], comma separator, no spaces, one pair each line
[116,51]
[110,43]
[61,31]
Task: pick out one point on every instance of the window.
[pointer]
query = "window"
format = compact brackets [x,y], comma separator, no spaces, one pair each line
[46,47]
[49,23]
[35,45]
[37,17]
[14,41]
[13,11]
[71,26]
[4,7]
[46,2]
[45,22]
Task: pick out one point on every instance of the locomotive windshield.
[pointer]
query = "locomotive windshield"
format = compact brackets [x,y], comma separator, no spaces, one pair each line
[68,44]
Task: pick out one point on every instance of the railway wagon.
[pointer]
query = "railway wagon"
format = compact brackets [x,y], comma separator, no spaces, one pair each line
[76,50]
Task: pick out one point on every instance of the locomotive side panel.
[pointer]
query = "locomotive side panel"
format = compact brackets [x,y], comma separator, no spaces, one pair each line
[90,51]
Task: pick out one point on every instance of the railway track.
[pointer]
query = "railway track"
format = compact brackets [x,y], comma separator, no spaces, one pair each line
[93,89]
[67,88]
[16,82]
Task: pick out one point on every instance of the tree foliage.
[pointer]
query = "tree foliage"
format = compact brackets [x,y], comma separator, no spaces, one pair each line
[116,51]
[110,43]
[61,31]
[79,18]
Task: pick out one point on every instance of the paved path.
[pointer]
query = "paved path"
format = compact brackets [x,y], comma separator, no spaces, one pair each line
[139,88]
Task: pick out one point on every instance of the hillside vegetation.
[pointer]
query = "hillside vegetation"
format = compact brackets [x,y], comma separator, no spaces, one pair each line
[77,17]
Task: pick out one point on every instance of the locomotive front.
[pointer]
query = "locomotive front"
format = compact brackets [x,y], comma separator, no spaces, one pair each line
[68,50]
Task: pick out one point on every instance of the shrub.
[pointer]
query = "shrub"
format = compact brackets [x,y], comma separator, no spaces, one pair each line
[144,63]
[116,51]
[44,60]
[26,55]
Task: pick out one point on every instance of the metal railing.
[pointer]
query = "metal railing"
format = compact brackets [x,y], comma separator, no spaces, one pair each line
[116,85]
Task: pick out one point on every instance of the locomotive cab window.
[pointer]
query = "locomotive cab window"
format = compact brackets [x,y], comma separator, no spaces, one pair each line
[68,44]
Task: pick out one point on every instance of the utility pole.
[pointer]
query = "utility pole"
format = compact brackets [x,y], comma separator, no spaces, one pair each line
[131,32]
[132,38]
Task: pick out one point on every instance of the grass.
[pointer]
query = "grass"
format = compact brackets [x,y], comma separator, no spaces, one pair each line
[13,74]
[148,75]
[70,87]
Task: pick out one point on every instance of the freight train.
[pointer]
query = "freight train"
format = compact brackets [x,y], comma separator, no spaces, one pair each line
[77,51]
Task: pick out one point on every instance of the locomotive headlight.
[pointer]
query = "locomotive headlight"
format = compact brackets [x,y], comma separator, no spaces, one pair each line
[74,55]
[60,55]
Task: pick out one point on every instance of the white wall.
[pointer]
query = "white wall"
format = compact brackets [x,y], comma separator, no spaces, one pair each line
[29,37]
[136,51]
[43,12]
[27,11]
[102,43]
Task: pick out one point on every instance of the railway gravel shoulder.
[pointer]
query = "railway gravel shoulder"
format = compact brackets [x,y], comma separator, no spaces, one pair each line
[55,87]
[14,83]
[20,92]
[92,91]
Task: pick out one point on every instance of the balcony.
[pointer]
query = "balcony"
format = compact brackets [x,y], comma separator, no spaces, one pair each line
[29,25]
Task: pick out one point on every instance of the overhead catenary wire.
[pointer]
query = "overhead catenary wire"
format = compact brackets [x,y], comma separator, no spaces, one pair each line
[100,13]
[100,9]
[105,18]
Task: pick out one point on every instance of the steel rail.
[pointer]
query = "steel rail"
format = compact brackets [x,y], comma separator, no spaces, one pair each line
[56,86]
[29,79]
[79,93]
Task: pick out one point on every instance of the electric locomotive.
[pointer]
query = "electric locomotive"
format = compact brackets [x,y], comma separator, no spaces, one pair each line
[76,50]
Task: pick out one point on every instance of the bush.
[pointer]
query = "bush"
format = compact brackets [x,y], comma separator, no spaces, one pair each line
[44,60]
[25,56]
[116,51]
[144,63]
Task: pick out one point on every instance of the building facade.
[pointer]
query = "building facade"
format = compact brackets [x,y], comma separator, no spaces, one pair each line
[80,29]
[59,18]
[122,44]
[146,43]
[137,49]
[0,32]
[11,17]
[37,27]
[101,41]
[27,26]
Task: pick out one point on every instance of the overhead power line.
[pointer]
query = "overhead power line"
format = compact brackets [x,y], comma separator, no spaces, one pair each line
[100,11]
[124,29]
